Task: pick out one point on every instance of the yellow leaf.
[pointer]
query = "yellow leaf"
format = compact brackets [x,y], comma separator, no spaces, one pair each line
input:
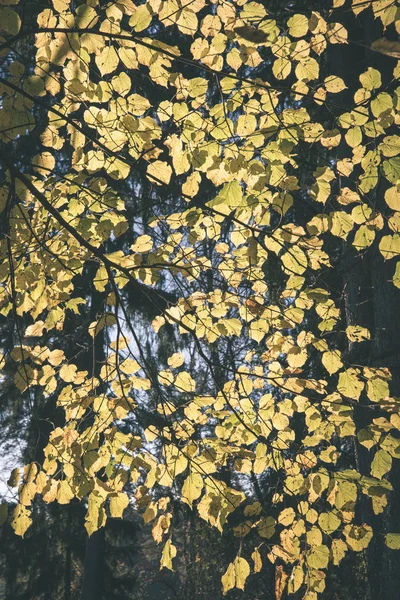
[390,146]
[396,276]
[197,87]
[334,84]
[21,520]
[307,69]
[107,61]
[364,237]
[141,18]
[353,137]
[46,160]
[256,557]
[68,373]
[332,361]
[296,357]
[246,125]
[96,515]
[192,488]
[392,198]
[382,103]
[159,170]
[280,421]
[356,333]
[143,243]
[286,517]
[295,261]
[280,581]
[235,575]
[371,79]
[358,536]
[296,579]
[35,330]
[338,549]
[298,25]
[185,382]
[118,504]
[281,68]
[64,492]
[168,553]
[129,366]
[176,360]
[251,34]
[86,17]
[392,540]
[230,195]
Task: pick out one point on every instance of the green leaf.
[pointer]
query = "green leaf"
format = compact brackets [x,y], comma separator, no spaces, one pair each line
[391,168]
[329,522]
[392,198]
[349,385]
[318,557]
[307,70]
[197,87]
[381,464]
[364,237]
[390,246]
[231,196]
[10,21]
[266,527]
[381,104]
[377,389]
[371,79]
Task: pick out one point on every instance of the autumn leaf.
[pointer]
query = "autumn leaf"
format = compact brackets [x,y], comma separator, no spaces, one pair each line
[235,575]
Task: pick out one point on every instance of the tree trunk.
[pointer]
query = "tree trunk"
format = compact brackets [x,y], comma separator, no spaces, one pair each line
[68,557]
[92,588]
[93,581]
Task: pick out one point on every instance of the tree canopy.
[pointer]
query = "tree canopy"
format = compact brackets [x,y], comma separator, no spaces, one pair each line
[194,195]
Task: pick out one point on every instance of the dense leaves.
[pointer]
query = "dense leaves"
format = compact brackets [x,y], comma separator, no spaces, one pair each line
[258,165]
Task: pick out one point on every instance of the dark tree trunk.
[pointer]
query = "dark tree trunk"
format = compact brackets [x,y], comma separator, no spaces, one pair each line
[92,587]
[68,557]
